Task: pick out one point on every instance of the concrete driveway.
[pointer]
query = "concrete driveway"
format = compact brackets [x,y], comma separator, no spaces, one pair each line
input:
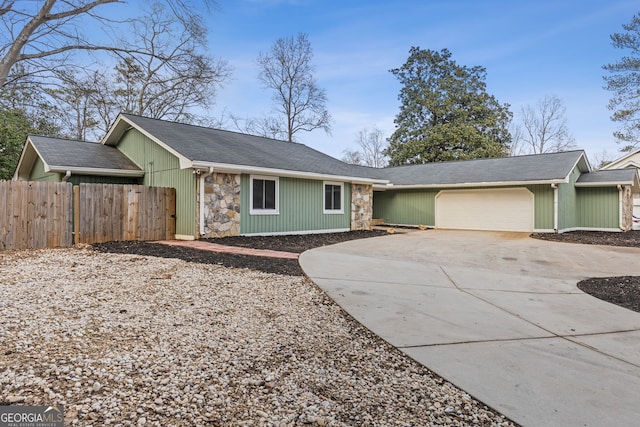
[500,316]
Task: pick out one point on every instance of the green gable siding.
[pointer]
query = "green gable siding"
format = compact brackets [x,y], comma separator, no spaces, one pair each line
[543,205]
[405,207]
[300,209]
[598,207]
[38,173]
[162,169]
[567,202]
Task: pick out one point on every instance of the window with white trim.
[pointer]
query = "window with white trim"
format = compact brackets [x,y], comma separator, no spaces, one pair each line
[264,195]
[333,198]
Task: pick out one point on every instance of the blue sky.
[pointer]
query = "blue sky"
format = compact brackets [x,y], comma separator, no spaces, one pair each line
[529,48]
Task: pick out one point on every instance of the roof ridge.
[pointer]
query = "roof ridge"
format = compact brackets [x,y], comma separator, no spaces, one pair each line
[213,128]
[487,158]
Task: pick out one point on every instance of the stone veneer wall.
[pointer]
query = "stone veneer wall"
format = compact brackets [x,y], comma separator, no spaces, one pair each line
[361,206]
[627,208]
[222,205]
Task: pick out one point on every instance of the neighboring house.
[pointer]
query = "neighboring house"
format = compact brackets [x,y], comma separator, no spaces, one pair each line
[229,183]
[630,160]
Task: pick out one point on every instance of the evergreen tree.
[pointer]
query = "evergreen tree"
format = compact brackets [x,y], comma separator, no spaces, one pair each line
[446,113]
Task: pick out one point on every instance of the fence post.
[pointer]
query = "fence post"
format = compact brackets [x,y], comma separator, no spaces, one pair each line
[76,214]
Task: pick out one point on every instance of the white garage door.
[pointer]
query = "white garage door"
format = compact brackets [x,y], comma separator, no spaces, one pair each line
[506,209]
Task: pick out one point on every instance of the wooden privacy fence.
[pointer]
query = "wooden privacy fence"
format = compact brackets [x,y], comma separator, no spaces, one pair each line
[49,214]
[110,212]
[35,214]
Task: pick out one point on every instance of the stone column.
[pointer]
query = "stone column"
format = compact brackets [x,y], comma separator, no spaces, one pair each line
[361,206]
[627,208]
[222,205]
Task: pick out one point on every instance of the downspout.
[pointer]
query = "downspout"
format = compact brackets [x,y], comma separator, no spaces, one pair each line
[555,207]
[620,207]
[202,177]
[66,176]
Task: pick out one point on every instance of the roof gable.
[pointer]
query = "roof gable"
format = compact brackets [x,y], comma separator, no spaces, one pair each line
[631,159]
[61,155]
[201,147]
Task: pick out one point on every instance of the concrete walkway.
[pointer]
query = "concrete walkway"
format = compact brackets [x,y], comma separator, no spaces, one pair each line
[225,249]
[500,316]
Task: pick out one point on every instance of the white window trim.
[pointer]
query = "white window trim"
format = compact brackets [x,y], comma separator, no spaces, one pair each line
[333,211]
[253,211]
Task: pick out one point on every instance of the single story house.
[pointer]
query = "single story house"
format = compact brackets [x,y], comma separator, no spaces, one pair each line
[228,183]
[629,160]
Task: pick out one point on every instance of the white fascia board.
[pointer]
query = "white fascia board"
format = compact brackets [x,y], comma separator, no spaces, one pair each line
[603,184]
[185,163]
[229,168]
[27,146]
[95,171]
[474,184]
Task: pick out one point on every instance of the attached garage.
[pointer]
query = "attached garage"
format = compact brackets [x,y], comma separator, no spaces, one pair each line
[498,209]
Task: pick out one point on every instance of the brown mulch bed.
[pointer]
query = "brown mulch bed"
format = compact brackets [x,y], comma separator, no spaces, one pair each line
[623,291]
[290,267]
[630,238]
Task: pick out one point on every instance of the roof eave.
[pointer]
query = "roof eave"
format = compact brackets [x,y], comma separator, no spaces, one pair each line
[474,184]
[231,168]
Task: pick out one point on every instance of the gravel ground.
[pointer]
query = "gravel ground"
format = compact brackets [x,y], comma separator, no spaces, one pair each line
[136,340]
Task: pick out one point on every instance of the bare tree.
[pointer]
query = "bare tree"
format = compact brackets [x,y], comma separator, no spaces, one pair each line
[601,159]
[517,147]
[287,70]
[353,157]
[168,76]
[268,127]
[372,146]
[76,101]
[41,35]
[545,127]
[167,79]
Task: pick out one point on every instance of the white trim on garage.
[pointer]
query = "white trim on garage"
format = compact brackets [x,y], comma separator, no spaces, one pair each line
[496,209]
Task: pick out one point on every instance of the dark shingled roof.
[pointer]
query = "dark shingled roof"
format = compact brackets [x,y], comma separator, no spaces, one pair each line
[201,144]
[541,167]
[61,153]
[612,176]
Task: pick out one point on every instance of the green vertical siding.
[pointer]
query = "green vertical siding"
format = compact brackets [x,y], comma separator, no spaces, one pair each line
[38,173]
[162,169]
[598,207]
[543,204]
[406,207]
[415,207]
[300,209]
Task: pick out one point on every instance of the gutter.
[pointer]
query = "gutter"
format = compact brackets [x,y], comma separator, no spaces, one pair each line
[66,176]
[470,185]
[95,171]
[239,169]
[620,206]
[555,207]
